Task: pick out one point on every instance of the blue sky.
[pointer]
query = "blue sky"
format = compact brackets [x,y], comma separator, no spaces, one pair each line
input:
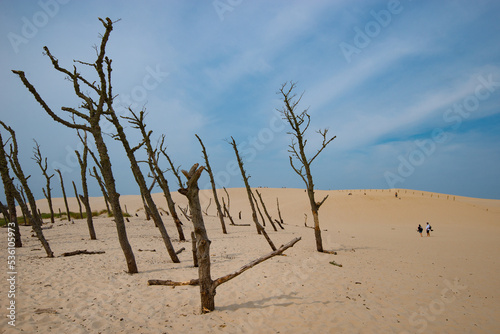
[411,89]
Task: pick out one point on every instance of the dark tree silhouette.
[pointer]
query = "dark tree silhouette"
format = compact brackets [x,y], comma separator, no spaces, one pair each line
[259,227]
[138,123]
[10,193]
[97,99]
[42,163]
[141,182]
[82,160]
[78,200]
[299,123]
[34,216]
[214,190]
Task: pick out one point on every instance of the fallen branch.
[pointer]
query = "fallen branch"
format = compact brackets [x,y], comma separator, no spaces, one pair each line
[78,252]
[232,275]
[180,250]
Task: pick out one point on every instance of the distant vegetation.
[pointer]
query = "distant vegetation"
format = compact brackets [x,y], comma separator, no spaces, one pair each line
[74,215]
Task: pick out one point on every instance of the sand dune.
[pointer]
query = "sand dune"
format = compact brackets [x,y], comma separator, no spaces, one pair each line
[391,279]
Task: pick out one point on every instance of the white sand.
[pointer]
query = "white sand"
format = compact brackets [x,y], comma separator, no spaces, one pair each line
[392,280]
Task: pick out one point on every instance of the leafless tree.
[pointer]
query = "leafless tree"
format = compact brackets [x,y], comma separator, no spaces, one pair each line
[299,123]
[141,182]
[259,227]
[137,122]
[68,213]
[42,163]
[34,216]
[82,160]
[10,191]
[214,190]
[102,186]
[265,210]
[207,285]
[97,100]
[78,200]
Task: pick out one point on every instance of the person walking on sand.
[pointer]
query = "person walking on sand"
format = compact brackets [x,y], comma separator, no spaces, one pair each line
[428,229]
[420,229]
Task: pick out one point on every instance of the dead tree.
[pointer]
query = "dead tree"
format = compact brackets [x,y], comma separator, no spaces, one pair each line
[174,170]
[64,194]
[214,190]
[141,182]
[258,209]
[97,98]
[207,285]
[265,210]
[280,222]
[299,123]
[10,191]
[137,122]
[82,160]
[207,291]
[223,279]
[78,200]
[102,186]
[259,227]
[42,163]
[34,216]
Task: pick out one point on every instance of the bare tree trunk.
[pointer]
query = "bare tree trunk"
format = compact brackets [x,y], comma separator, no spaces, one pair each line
[265,210]
[82,160]
[141,182]
[114,200]
[195,252]
[207,290]
[214,190]
[78,200]
[36,220]
[103,189]
[10,191]
[138,123]
[258,209]
[299,124]
[64,194]
[95,108]
[280,222]
[43,166]
[259,227]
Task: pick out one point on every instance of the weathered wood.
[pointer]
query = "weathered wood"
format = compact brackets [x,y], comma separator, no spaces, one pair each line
[64,194]
[82,160]
[207,291]
[91,123]
[180,250]
[47,191]
[214,190]
[299,123]
[280,223]
[195,282]
[260,229]
[10,195]
[265,210]
[33,216]
[79,252]
[228,277]
[195,255]
[138,122]
[78,200]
